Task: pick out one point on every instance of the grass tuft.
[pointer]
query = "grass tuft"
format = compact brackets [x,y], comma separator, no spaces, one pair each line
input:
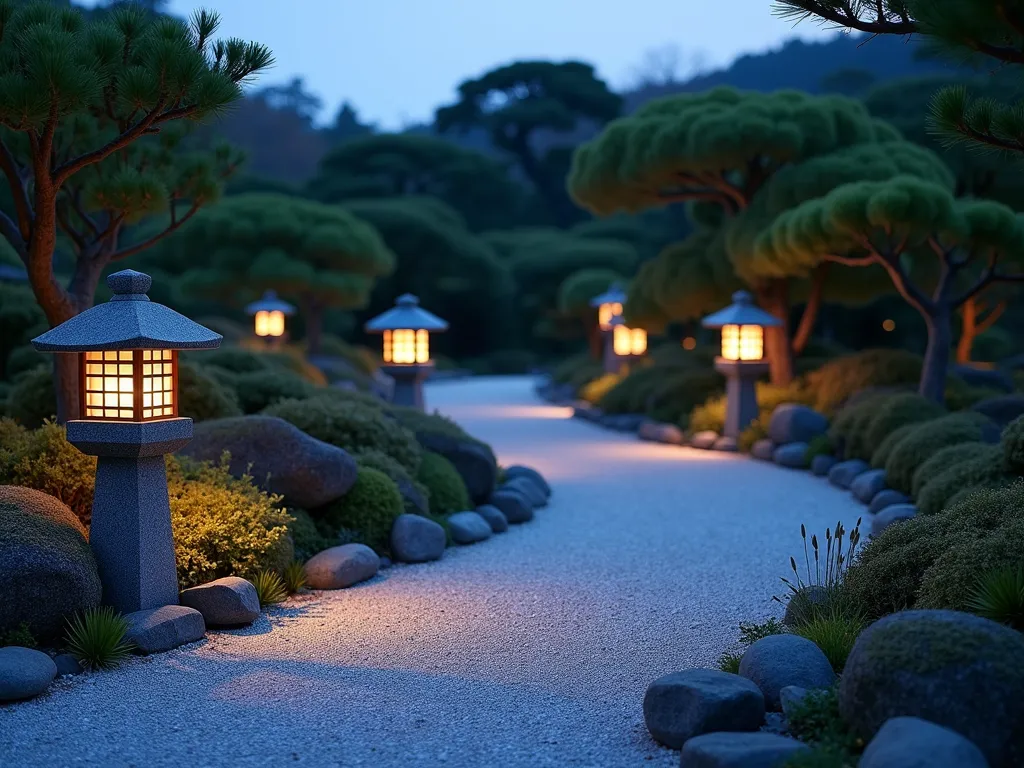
[96,637]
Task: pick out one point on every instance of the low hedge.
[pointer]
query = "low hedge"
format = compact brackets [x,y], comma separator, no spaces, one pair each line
[983,469]
[881,454]
[924,440]
[835,382]
[257,390]
[33,399]
[895,412]
[943,460]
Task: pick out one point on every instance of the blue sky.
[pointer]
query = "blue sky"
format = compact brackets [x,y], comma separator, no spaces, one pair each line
[397,60]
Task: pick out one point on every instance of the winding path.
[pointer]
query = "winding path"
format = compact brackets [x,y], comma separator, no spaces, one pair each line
[531,649]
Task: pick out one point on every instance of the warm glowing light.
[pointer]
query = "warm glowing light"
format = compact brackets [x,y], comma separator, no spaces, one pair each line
[637,341]
[129,385]
[606,312]
[689,343]
[406,346]
[742,342]
[270,323]
[889,325]
[629,341]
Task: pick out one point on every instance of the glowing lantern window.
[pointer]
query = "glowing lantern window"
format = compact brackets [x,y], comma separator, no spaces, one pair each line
[742,342]
[742,326]
[129,385]
[269,313]
[406,329]
[627,342]
[270,323]
[404,346]
[609,306]
[606,312]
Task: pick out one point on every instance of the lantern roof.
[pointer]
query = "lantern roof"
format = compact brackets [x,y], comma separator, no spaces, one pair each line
[128,321]
[742,311]
[407,314]
[270,303]
[614,295]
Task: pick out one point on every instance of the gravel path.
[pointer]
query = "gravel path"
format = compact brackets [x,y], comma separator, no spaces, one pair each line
[531,649]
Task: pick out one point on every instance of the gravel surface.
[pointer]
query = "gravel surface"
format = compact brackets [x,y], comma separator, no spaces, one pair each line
[530,649]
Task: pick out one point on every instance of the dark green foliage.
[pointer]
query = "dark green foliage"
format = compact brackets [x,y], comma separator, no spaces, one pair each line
[983,468]
[202,397]
[294,576]
[96,637]
[755,431]
[837,380]
[819,446]
[262,389]
[20,320]
[924,440]
[895,412]
[20,635]
[370,509]
[24,359]
[816,720]
[834,631]
[235,359]
[32,399]
[270,588]
[729,661]
[999,595]
[851,423]
[447,490]
[884,450]
[424,424]
[943,460]
[1012,442]
[351,426]
[665,394]
[384,463]
[306,538]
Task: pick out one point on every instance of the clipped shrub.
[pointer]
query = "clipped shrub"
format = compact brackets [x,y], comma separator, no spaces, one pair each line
[881,454]
[852,421]
[370,509]
[710,415]
[340,395]
[983,469]
[261,389]
[223,526]
[895,412]
[363,360]
[96,637]
[202,397]
[1012,441]
[306,537]
[925,440]
[234,359]
[384,463]
[446,491]
[942,460]
[661,387]
[33,399]
[596,389]
[424,425]
[571,367]
[836,381]
[673,399]
[352,426]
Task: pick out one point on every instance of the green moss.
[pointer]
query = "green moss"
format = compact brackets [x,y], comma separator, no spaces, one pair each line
[261,389]
[447,491]
[984,468]
[384,463]
[1012,441]
[926,439]
[891,414]
[369,508]
[836,381]
[235,359]
[881,454]
[306,538]
[943,460]
[755,431]
[202,397]
[819,446]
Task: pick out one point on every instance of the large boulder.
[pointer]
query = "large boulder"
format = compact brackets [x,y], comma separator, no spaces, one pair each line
[160,629]
[763,449]
[47,569]
[822,464]
[518,470]
[279,456]
[953,669]
[739,750]
[776,661]
[791,455]
[685,704]
[495,518]
[844,473]
[1002,410]
[342,566]
[704,440]
[227,602]
[474,463]
[416,539]
[514,505]
[867,485]
[910,742]
[794,423]
[24,673]
[468,528]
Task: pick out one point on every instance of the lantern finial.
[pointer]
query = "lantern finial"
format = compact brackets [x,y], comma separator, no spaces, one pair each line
[129,285]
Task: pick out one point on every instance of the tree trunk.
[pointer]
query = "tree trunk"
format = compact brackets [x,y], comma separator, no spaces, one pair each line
[595,338]
[968,331]
[936,356]
[314,316]
[811,310]
[774,299]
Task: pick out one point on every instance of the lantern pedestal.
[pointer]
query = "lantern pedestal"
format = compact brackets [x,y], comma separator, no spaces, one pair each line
[613,363]
[409,383]
[130,534]
[741,394]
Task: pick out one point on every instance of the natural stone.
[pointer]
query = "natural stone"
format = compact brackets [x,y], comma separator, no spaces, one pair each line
[794,423]
[763,449]
[887,497]
[529,489]
[791,696]
[340,567]
[802,603]
[416,539]
[161,629]
[495,518]
[984,378]
[953,669]
[474,463]
[844,473]
[1002,410]
[518,470]
[24,673]
[685,704]
[726,444]
[776,661]
[468,528]
[739,750]
[514,505]
[792,455]
[867,485]
[704,440]
[661,433]
[278,456]
[891,514]
[227,602]
[910,742]
[67,664]
[822,464]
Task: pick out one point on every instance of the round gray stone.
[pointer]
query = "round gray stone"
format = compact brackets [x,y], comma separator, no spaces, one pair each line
[343,566]
[518,470]
[685,704]
[794,423]
[891,514]
[468,528]
[910,742]
[704,440]
[844,473]
[160,629]
[739,750]
[887,498]
[67,664]
[657,432]
[529,489]
[227,602]
[790,697]
[494,517]
[726,444]
[416,539]
[763,449]
[24,673]
[776,661]
[791,455]
[513,504]
[867,485]
[822,464]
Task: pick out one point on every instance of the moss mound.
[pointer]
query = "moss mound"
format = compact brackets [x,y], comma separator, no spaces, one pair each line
[895,412]
[943,460]
[982,470]
[884,450]
[257,390]
[836,381]
[306,537]
[1012,441]
[447,492]
[370,509]
[202,397]
[415,495]
[925,440]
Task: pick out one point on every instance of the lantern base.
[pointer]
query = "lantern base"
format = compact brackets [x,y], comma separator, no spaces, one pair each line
[409,383]
[741,394]
[129,439]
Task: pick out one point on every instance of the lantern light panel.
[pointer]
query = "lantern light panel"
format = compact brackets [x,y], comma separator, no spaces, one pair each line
[628,341]
[404,346]
[129,385]
[270,323]
[742,342]
[606,312]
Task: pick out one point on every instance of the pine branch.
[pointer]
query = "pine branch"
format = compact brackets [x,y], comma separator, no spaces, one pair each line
[871,16]
[131,250]
[65,225]
[13,236]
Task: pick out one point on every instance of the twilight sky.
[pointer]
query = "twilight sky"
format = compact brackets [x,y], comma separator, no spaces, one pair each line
[397,60]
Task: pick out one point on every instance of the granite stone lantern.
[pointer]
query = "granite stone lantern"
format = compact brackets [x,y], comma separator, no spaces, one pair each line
[406,329]
[742,359]
[623,345]
[128,388]
[269,313]
[609,305]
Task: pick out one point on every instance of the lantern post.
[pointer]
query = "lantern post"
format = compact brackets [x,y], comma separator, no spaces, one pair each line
[269,313]
[128,382]
[406,330]
[742,359]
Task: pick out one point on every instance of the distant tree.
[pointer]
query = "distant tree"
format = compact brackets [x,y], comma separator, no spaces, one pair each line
[317,255]
[908,227]
[347,125]
[80,137]
[665,65]
[519,102]
[574,297]
[848,81]
[292,97]
[395,164]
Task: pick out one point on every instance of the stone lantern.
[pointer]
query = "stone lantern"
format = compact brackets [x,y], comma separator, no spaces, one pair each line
[623,345]
[406,329]
[128,389]
[609,304]
[742,359]
[268,314]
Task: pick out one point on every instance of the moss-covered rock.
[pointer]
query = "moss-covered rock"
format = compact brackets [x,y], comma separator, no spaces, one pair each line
[46,567]
[447,492]
[1012,441]
[202,397]
[414,494]
[926,439]
[949,668]
[984,469]
[257,390]
[370,509]
[943,460]
[891,414]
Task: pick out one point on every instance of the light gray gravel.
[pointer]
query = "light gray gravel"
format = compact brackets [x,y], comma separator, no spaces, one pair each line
[533,648]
